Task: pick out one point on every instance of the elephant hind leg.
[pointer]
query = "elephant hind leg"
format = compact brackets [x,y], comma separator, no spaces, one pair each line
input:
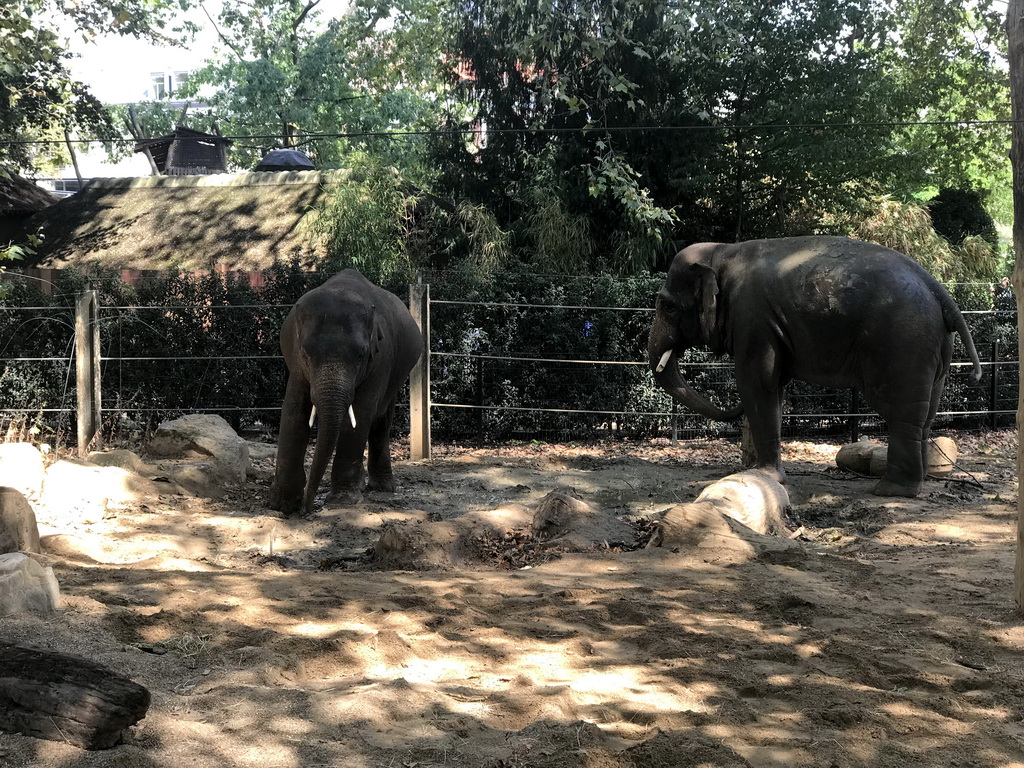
[908,445]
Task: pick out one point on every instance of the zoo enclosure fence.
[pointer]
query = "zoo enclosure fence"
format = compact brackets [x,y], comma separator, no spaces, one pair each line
[470,386]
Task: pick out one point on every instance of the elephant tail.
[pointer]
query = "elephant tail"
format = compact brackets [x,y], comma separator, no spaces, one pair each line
[955,323]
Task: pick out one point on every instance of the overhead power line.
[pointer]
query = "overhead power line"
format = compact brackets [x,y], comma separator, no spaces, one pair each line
[309,137]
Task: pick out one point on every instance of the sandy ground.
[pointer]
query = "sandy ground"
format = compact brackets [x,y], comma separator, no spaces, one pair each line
[270,642]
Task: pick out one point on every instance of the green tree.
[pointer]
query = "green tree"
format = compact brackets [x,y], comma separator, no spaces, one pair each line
[39,99]
[286,77]
[671,121]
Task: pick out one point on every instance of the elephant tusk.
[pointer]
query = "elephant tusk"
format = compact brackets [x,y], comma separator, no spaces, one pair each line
[312,417]
[664,361]
[352,416]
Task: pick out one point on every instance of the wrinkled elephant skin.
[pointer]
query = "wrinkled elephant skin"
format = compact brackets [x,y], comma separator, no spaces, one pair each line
[349,346]
[827,310]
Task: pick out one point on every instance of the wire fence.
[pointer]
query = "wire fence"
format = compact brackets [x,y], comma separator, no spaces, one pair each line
[514,370]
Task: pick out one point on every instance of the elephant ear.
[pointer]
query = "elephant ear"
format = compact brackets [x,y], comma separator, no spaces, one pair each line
[707,281]
[376,332]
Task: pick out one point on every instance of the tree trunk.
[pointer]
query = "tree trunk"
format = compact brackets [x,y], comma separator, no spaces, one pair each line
[66,698]
[1015,39]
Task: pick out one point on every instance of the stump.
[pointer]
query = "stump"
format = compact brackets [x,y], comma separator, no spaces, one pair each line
[66,698]
[565,520]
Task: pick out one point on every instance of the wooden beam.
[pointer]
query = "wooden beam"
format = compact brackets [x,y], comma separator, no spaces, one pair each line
[66,698]
[419,379]
[1015,40]
[136,129]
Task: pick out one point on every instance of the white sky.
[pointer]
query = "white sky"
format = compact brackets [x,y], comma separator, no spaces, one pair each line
[117,69]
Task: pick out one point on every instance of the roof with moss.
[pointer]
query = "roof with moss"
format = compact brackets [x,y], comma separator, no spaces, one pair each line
[242,221]
[18,195]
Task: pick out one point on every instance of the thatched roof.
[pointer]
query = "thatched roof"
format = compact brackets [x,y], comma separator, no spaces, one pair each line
[20,196]
[241,221]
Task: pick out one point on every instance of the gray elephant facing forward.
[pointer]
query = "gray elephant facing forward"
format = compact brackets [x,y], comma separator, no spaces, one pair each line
[349,345]
[828,310]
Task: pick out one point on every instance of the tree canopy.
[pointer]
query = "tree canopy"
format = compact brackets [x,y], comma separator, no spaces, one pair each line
[718,121]
[39,99]
[578,135]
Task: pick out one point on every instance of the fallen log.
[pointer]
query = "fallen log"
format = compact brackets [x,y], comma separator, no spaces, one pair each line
[701,526]
[66,698]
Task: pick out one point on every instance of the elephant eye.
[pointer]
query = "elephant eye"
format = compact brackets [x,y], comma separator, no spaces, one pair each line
[666,305]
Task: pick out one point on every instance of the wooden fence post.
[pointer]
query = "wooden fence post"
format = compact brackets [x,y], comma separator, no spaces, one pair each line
[87,369]
[993,398]
[419,379]
[1015,56]
[854,415]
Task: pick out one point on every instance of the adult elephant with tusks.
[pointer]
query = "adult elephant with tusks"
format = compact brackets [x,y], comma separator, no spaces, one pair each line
[349,345]
[828,310]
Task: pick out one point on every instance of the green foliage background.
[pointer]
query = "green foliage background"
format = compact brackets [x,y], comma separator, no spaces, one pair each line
[513,342]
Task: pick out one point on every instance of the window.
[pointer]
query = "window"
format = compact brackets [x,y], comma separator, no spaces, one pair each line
[157,85]
[178,79]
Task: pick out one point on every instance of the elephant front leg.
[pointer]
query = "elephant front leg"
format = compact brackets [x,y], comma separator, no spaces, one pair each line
[293,438]
[379,470]
[347,472]
[762,406]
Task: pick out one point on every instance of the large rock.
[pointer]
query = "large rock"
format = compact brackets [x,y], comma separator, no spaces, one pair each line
[25,585]
[863,457]
[206,439]
[18,529]
[21,467]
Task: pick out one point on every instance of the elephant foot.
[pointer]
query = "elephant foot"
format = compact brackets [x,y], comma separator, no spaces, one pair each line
[385,484]
[347,497]
[286,504]
[887,487]
[775,473]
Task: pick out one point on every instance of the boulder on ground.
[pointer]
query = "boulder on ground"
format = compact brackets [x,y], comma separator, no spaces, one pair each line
[206,438]
[21,467]
[18,529]
[25,585]
[863,457]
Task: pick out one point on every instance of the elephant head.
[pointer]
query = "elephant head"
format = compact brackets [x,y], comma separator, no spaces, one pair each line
[686,315]
[336,351]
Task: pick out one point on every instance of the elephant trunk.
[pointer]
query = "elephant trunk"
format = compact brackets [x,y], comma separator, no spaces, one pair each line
[332,399]
[664,362]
